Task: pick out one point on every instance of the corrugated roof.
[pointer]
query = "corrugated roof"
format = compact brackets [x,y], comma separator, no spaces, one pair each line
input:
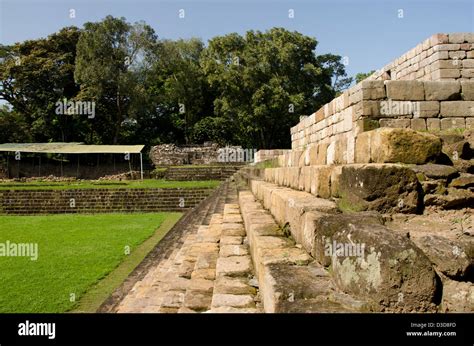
[70,148]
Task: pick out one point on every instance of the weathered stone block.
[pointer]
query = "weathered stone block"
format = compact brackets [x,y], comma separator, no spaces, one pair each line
[380,187]
[469,123]
[449,256]
[442,90]
[418,124]
[433,124]
[395,123]
[452,123]
[365,124]
[457,296]
[322,154]
[233,266]
[320,181]
[448,73]
[457,109]
[373,90]
[467,90]
[371,108]
[457,37]
[425,109]
[397,145]
[405,90]
[364,265]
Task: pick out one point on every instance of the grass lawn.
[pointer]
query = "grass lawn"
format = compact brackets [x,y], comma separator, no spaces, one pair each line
[74,253]
[132,184]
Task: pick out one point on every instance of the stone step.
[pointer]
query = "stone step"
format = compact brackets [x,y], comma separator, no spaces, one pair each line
[289,278]
[372,270]
[211,254]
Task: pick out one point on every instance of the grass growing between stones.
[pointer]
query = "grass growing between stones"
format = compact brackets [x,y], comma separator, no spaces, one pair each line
[131,184]
[347,206]
[81,258]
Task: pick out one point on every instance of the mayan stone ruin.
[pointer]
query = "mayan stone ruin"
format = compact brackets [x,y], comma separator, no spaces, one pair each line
[370,211]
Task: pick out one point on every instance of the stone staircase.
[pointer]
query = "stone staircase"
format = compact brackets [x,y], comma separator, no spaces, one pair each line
[206,268]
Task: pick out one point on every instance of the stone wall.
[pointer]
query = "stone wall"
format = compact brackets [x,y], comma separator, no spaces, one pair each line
[99,200]
[419,105]
[431,101]
[170,154]
[190,172]
[440,57]
[263,155]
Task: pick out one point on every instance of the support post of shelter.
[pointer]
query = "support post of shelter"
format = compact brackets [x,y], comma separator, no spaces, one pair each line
[141,165]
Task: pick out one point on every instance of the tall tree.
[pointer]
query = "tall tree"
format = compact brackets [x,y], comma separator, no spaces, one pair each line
[109,53]
[264,81]
[34,75]
[183,87]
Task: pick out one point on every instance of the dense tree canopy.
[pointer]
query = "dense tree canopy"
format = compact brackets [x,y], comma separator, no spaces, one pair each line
[243,90]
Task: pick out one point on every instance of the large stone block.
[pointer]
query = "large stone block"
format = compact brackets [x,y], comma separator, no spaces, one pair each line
[418,124]
[298,205]
[467,90]
[433,124]
[322,154]
[320,181]
[457,296]
[449,256]
[371,108]
[457,109]
[395,123]
[397,146]
[371,261]
[442,90]
[381,187]
[453,123]
[405,90]
[426,109]
[373,90]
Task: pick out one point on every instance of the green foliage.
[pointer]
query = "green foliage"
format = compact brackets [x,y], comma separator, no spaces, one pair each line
[213,129]
[110,54]
[361,76]
[264,81]
[240,90]
[34,75]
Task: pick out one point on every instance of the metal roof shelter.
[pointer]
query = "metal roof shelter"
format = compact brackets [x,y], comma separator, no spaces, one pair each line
[73,148]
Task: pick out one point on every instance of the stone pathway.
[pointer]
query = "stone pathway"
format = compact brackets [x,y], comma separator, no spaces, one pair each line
[210,272]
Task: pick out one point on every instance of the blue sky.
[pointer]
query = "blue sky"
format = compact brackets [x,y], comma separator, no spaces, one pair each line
[369,32]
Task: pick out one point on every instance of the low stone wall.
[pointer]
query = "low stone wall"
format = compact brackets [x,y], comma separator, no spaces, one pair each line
[170,154]
[190,172]
[99,200]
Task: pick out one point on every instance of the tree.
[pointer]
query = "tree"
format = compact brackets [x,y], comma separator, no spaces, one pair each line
[336,69]
[182,87]
[34,75]
[263,82]
[109,54]
[13,127]
[361,76]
